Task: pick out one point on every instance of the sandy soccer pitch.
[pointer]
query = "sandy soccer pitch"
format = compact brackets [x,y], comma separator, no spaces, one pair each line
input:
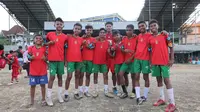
[185,81]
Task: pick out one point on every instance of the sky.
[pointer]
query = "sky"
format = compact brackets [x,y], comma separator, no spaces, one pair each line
[74,10]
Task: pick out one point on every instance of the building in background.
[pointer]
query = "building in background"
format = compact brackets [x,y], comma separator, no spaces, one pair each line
[104,18]
[15,35]
[193,35]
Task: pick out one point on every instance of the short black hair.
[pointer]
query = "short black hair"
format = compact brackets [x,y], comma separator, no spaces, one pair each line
[37,35]
[115,32]
[153,21]
[11,51]
[102,29]
[59,19]
[142,22]
[88,27]
[111,23]
[1,47]
[130,26]
[20,47]
[78,24]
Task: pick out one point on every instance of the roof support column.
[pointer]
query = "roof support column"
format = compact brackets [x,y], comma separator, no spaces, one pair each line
[149,10]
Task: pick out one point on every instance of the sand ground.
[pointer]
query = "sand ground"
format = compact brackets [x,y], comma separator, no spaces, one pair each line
[185,80]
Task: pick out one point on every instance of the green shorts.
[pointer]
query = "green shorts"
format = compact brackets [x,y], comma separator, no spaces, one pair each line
[159,70]
[117,68]
[129,68]
[141,66]
[72,66]
[99,68]
[56,67]
[87,66]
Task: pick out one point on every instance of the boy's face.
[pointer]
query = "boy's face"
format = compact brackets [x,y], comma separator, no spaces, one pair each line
[38,40]
[153,27]
[142,27]
[59,25]
[77,30]
[129,31]
[102,34]
[109,27]
[117,37]
[89,31]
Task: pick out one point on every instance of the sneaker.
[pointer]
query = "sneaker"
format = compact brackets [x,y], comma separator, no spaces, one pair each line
[119,94]
[124,95]
[49,101]
[77,96]
[132,95]
[95,94]
[60,99]
[109,95]
[10,83]
[16,82]
[170,108]
[115,90]
[144,99]
[87,94]
[139,101]
[159,102]
[66,98]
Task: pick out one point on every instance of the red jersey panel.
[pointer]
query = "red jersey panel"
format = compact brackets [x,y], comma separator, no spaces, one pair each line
[109,37]
[56,51]
[142,52]
[160,54]
[129,44]
[15,63]
[87,54]
[100,52]
[74,49]
[119,57]
[38,67]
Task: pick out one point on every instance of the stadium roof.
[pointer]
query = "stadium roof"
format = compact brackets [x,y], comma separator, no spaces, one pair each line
[162,11]
[30,13]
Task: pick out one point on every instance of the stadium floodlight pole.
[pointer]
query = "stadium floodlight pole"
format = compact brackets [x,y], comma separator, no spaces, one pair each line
[173,6]
[149,10]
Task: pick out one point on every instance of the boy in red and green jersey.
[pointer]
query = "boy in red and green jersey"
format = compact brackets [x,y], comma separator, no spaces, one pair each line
[161,64]
[111,61]
[74,60]
[87,55]
[100,61]
[118,57]
[129,48]
[141,62]
[56,41]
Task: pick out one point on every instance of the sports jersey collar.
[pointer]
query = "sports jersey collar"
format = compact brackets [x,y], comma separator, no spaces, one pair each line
[58,34]
[155,35]
[74,36]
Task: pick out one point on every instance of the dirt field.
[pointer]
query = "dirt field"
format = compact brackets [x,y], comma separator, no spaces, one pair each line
[185,80]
